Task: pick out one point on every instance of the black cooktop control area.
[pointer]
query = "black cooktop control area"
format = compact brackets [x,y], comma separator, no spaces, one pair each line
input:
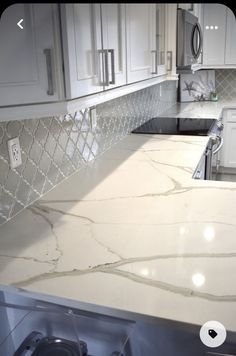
[176,126]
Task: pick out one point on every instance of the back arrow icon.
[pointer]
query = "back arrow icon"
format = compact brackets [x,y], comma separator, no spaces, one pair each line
[19,24]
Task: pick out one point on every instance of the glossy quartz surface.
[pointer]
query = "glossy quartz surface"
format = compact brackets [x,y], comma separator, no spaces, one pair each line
[132,231]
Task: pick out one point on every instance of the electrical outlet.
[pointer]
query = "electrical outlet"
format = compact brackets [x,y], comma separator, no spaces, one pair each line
[14,152]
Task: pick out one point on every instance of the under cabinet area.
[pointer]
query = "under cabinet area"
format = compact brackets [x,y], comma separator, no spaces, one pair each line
[30,68]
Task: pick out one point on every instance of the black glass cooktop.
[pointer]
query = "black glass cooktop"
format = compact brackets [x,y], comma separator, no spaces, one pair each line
[176,126]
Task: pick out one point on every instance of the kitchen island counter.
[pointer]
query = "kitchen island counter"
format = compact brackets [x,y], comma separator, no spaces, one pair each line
[134,232]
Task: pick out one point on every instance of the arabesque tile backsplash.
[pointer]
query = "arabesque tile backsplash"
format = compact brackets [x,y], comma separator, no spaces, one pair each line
[226,83]
[53,148]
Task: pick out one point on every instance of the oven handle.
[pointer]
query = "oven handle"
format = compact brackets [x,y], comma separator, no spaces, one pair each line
[219,146]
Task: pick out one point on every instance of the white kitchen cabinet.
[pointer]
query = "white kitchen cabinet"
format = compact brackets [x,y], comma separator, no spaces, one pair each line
[214,30]
[195,9]
[160,37]
[82,41]
[139,27]
[93,47]
[219,33]
[146,41]
[171,28]
[230,43]
[29,69]
[228,153]
[113,36]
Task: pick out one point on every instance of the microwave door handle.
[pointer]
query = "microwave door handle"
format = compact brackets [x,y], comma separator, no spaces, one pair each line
[192,41]
[197,52]
[198,27]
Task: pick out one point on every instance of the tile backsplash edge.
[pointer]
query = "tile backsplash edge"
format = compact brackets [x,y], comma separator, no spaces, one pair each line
[54,148]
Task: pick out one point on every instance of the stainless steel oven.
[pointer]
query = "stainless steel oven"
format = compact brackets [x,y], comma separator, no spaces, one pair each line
[189,39]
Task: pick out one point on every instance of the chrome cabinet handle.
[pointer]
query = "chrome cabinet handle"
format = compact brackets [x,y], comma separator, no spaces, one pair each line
[113,79]
[155,70]
[105,72]
[48,54]
[169,58]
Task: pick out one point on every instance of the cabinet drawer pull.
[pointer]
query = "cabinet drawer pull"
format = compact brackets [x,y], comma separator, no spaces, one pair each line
[48,54]
[155,70]
[169,59]
[112,52]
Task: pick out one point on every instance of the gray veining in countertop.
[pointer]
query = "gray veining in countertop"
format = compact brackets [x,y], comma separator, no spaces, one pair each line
[132,231]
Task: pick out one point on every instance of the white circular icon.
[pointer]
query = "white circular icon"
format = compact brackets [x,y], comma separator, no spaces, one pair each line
[213,333]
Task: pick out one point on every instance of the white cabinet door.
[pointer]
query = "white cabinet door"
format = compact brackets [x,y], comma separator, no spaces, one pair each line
[160,37]
[28,59]
[82,48]
[214,29]
[139,56]
[113,37]
[171,28]
[230,43]
[229,149]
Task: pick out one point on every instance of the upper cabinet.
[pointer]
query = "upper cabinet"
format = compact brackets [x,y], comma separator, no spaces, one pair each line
[140,44]
[146,41]
[113,35]
[230,43]
[82,48]
[68,51]
[170,34]
[160,30]
[29,67]
[219,33]
[214,29]
[93,47]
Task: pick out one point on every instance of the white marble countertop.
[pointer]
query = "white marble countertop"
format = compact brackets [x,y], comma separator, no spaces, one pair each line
[199,109]
[133,232]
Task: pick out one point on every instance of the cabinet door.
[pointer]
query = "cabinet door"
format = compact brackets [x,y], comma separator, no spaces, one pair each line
[230,43]
[138,25]
[113,37]
[229,148]
[171,28]
[214,25]
[158,39]
[161,38]
[28,58]
[82,49]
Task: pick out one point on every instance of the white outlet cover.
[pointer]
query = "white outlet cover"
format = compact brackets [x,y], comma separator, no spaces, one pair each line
[14,152]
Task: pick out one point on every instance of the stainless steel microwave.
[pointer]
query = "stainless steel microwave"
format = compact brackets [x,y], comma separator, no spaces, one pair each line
[189,40]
